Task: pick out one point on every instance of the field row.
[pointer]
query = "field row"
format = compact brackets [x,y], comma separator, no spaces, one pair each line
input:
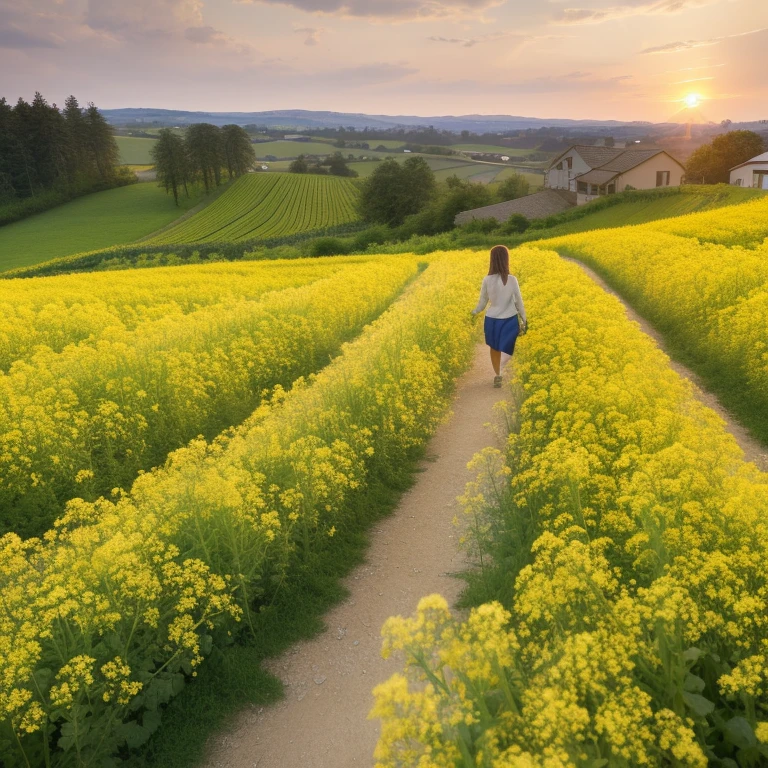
[86,420]
[703,280]
[54,312]
[103,619]
[621,543]
[269,205]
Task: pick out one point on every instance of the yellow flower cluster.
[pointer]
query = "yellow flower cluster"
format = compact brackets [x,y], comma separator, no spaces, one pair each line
[710,297]
[628,542]
[102,619]
[71,309]
[87,419]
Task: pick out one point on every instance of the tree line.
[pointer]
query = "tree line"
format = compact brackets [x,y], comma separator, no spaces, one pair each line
[334,164]
[711,163]
[44,148]
[202,155]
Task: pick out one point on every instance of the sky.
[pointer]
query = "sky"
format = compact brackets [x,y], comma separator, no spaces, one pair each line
[582,59]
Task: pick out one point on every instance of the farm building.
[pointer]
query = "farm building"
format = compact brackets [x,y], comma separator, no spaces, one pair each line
[592,172]
[536,206]
[753,173]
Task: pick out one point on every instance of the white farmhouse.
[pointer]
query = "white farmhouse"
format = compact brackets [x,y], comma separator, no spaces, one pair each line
[596,171]
[753,173]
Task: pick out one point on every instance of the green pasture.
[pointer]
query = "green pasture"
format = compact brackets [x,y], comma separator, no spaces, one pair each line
[134,151]
[286,149]
[100,220]
[496,150]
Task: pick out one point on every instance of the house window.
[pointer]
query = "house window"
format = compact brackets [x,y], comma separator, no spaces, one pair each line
[594,189]
[760,179]
[582,187]
[737,183]
[662,178]
[559,166]
[612,188]
[569,163]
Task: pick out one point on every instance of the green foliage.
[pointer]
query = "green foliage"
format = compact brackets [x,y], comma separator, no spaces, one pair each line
[299,165]
[329,246]
[205,154]
[337,166]
[53,154]
[516,224]
[239,155]
[171,163]
[455,196]
[483,226]
[394,191]
[712,163]
[512,187]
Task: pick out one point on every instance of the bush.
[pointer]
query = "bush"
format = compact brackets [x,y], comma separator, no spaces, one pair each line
[329,246]
[372,236]
[483,226]
[516,224]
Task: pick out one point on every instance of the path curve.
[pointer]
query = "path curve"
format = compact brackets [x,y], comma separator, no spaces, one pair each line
[754,450]
[322,722]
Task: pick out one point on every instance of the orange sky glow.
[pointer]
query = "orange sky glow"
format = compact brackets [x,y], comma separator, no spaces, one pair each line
[599,59]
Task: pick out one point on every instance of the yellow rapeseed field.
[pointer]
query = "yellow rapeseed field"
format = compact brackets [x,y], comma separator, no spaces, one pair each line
[85,420]
[628,539]
[101,619]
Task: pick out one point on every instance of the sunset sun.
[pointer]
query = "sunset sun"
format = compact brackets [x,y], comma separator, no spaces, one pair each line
[692,100]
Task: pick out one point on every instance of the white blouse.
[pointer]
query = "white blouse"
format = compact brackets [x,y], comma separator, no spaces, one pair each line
[505,300]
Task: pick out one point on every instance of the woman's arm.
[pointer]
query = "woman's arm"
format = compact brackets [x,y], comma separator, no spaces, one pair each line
[483,299]
[519,301]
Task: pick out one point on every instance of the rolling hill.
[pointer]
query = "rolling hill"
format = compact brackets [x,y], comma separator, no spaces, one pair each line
[266,206]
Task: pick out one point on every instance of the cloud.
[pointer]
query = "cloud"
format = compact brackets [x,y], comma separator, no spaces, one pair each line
[390,10]
[12,36]
[687,45]
[470,42]
[631,8]
[312,34]
[205,35]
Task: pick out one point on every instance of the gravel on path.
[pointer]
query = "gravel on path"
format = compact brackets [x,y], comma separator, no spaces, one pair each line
[322,722]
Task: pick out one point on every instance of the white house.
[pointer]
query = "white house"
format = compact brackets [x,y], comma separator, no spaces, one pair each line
[596,171]
[753,173]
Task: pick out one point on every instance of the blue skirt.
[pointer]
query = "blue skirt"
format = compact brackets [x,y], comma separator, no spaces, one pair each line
[501,334]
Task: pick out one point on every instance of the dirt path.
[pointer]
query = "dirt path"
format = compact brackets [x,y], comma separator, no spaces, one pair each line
[754,451]
[328,680]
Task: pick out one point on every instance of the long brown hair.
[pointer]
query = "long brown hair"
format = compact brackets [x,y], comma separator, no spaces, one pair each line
[500,262]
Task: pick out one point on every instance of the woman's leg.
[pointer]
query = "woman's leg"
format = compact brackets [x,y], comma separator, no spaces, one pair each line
[496,361]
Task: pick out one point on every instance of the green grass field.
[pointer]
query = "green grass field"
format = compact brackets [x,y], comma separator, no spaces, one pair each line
[284,149]
[100,220]
[134,151]
[497,150]
[269,205]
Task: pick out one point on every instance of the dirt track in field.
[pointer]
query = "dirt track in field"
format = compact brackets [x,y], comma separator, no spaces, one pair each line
[754,451]
[328,680]
[322,721]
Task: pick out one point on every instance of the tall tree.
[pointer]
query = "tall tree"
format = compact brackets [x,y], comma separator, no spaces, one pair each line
[203,143]
[299,165]
[238,151]
[394,191]
[79,163]
[171,163]
[512,187]
[48,138]
[712,163]
[100,139]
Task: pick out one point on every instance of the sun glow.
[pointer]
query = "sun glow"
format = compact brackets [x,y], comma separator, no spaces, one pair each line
[692,100]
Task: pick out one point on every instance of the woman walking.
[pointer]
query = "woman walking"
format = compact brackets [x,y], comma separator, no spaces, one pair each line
[505,319]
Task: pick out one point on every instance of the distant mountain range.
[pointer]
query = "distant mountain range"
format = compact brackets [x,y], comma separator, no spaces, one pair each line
[300,118]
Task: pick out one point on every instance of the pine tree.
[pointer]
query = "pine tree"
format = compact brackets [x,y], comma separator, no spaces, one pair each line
[101,143]
[79,167]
